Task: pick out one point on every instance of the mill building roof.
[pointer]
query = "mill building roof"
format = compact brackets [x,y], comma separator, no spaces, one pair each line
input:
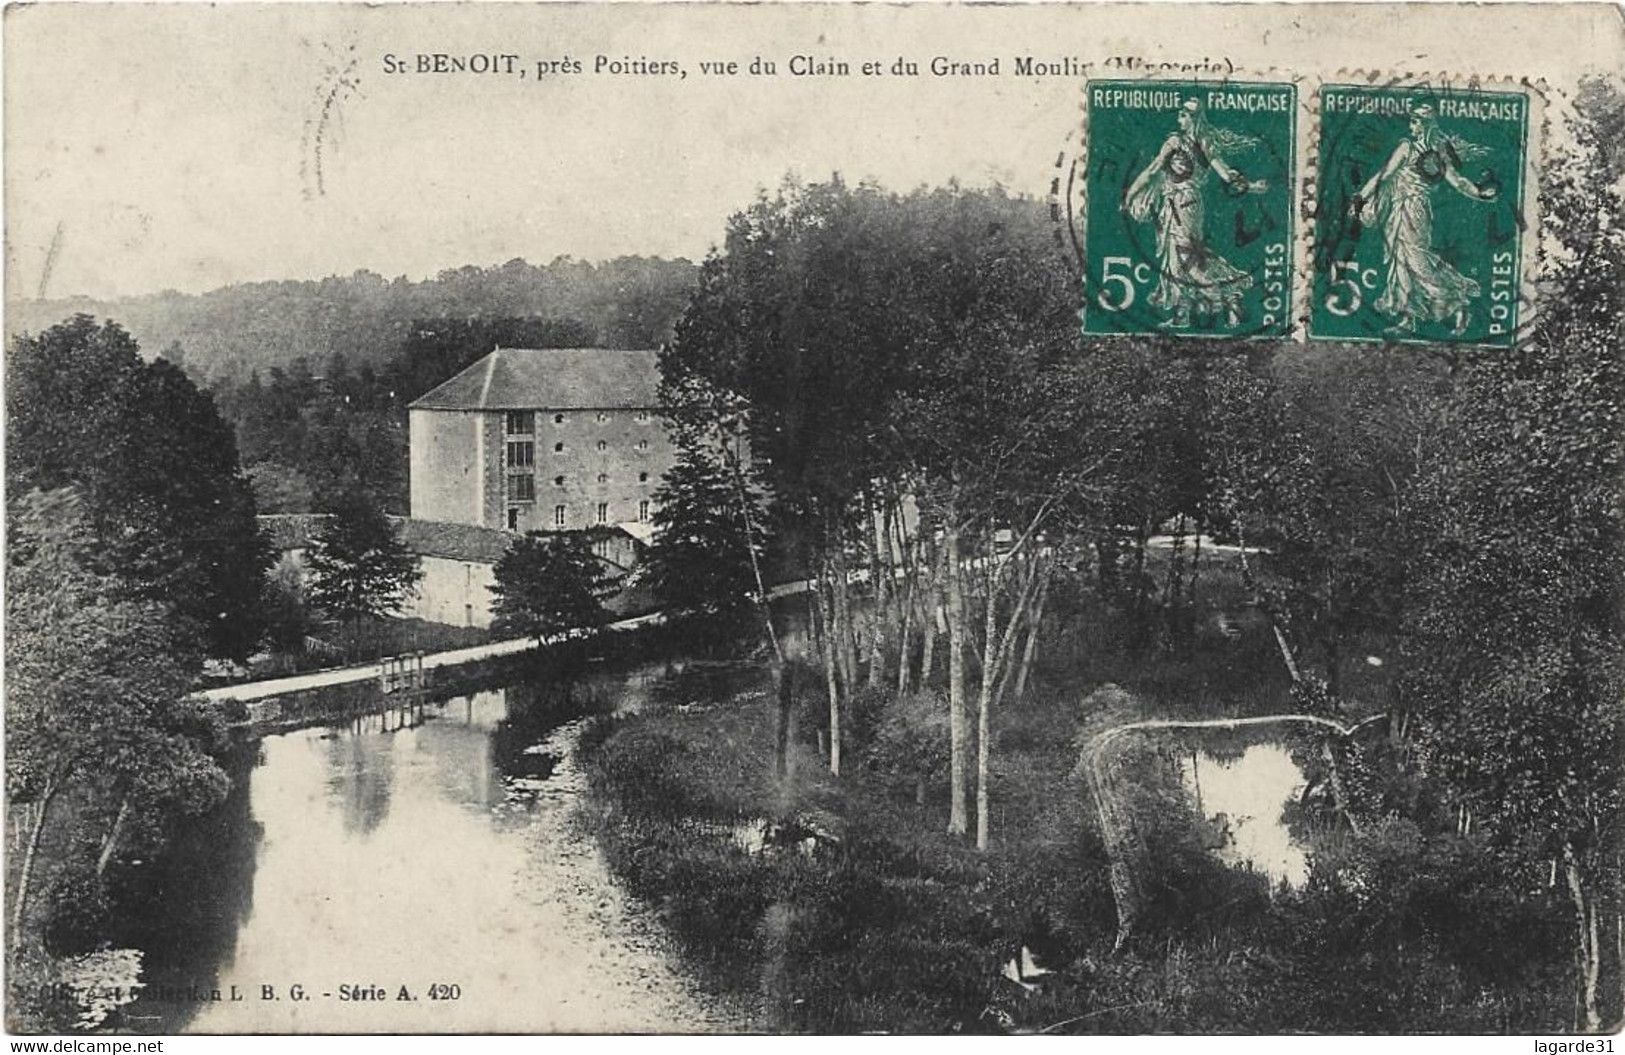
[552,379]
[426,538]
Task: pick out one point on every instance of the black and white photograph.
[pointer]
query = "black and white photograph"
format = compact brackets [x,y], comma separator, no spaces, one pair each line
[814,519]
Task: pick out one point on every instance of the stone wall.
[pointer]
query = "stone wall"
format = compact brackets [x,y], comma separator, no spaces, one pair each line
[580,476]
[446,471]
[453,591]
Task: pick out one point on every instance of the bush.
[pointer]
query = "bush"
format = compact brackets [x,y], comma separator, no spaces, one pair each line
[861,716]
[639,768]
[910,742]
[77,919]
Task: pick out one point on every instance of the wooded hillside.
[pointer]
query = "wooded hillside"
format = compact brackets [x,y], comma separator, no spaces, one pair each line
[226,334]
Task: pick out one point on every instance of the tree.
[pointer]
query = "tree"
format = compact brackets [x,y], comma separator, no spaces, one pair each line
[1513,638]
[911,739]
[97,705]
[156,468]
[1001,427]
[879,346]
[700,560]
[791,328]
[288,618]
[1316,460]
[359,567]
[279,489]
[548,585]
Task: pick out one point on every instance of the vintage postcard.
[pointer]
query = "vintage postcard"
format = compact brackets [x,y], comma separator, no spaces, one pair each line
[814,518]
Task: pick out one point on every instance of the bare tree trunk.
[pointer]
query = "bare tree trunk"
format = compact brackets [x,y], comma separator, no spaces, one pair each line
[957,820]
[831,670]
[997,650]
[26,874]
[907,601]
[1590,953]
[1035,625]
[877,537]
[846,651]
[982,752]
[903,639]
[907,550]
[984,703]
[826,651]
[782,689]
[933,619]
[110,844]
[1286,650]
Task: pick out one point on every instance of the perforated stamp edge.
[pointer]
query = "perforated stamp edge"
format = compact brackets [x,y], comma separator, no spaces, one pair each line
[1540,98]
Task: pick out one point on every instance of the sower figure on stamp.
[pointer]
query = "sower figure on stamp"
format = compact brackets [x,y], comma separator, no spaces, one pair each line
[1420,285]
[1192,277]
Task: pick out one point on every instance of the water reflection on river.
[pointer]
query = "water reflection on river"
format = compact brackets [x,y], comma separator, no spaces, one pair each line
[412,850]
[1247,797]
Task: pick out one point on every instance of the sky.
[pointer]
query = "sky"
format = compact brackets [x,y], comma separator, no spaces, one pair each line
[188,146]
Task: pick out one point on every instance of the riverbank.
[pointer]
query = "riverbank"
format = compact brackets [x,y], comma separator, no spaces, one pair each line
[841,905]
[372,670]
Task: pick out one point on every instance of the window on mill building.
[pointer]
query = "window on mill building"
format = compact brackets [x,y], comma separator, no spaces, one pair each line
[521,422]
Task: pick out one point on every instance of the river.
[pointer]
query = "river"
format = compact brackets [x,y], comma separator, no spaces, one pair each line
[402,853]
[1248,796]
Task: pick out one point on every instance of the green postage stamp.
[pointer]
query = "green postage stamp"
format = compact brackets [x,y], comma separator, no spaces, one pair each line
[1418,229]
[1188,223]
